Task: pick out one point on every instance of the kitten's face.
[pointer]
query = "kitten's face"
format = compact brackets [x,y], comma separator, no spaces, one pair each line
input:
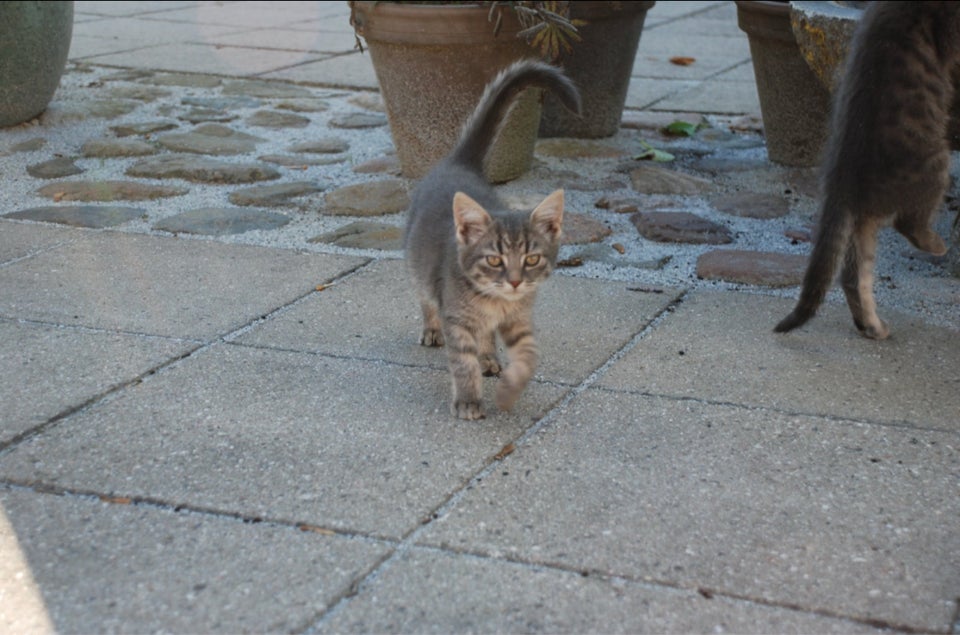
[509,256]
[508,264]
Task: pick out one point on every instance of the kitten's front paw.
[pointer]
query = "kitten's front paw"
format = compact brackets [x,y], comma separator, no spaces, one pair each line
[507,395]
[431,337]
[470,410]
[490,365]
[877,331]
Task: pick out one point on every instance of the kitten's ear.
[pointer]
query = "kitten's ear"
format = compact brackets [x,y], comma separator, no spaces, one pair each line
[548,216]
[472,221]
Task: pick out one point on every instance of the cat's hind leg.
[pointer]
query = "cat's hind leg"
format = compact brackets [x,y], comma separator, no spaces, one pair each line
[432,334]
[857,279]
[919,233]
[489,363]
[465,372]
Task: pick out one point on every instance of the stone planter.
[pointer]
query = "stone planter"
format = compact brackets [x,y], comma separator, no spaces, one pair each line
[793,102]
[600,65]
[34,42]
[432,63]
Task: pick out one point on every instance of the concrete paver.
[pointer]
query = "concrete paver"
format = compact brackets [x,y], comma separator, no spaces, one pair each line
[826,369]
[239,433]
[117,567]
[159,286]
[738,501]
[511,597]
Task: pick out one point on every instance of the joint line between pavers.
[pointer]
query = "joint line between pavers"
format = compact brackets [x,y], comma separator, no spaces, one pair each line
[898,425]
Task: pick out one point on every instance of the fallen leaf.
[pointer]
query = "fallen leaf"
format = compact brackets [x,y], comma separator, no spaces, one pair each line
[683,61]
[682,128]
[576,261]
[316,530]
[506,451]
[645,289]
[58,196]
[653,154]
[619,248]
[116,500]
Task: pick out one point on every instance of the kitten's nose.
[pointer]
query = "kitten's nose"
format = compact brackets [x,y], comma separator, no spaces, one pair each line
[514,283]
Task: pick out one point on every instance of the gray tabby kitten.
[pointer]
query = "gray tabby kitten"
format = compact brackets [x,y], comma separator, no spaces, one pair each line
[888,156]
[476,265]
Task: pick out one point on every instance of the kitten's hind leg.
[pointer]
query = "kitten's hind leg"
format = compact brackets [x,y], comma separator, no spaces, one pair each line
[432,330]
[857,280]
[465,372]
[488,355]
[921,236]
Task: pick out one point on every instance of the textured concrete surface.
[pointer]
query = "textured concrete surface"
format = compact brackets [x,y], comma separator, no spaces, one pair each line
[220,432]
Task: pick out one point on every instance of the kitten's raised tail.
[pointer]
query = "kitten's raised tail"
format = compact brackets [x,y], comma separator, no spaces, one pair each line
[833,237]
[482,126]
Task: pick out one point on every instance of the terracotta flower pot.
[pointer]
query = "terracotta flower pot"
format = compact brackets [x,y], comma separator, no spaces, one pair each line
[600,65]
[34,42]
[793,102]
[432,63]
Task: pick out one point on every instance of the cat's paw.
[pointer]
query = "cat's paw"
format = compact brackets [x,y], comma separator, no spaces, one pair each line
[875,331]
[431,337]
[507,395]
[490,365]
[469,410]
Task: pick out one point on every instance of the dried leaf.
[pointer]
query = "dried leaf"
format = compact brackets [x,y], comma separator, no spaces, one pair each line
[619,248]
[576,261]
[116,500]
[506,451]
[316,530]
[683,61]
[58,196]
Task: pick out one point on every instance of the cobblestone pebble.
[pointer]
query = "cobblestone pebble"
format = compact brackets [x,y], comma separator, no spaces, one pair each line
[326,145]
[220,221]
[105,191]
[276,119]
[368,199]
[143,129]
[265,90]
[581,228]
[358,120]
[680,227]
[272,195]
[54,168]
[763,268]
[92,216]
[108,148]
[201,169]
[650,179]
[364,235]
[751,204]
[210,138]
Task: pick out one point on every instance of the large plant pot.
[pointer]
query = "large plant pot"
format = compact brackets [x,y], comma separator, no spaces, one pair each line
[34,42]
[433,63]
[793,102]
[600,65]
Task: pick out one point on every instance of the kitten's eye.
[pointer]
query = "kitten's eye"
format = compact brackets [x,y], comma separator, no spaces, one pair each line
[532,260]
[494,261]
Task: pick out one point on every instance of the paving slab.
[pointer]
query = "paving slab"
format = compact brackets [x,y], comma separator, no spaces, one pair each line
[160,286]
[18,240]
[721,347]
[580,323]
[838,518]
[342,444]
[487,595]
[205,58]
[171,572]
[353,70]
[49,370]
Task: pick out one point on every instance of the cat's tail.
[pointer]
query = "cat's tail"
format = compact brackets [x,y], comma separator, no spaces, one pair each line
[498,97]
[833,236]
